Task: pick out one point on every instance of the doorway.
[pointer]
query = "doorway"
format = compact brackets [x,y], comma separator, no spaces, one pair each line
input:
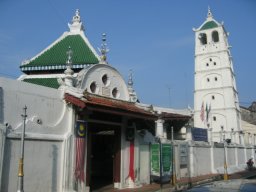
[104,155]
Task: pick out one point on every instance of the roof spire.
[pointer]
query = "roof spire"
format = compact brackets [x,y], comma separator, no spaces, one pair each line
[104,50]
[209,14]
[76,23]
[69,72]
[132,93]
[130,81]
[69,58]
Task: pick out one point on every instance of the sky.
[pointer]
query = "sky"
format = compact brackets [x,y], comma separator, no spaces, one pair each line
[153,38]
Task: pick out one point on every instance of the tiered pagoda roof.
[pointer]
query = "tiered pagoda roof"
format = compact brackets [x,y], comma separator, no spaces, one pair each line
[52,60]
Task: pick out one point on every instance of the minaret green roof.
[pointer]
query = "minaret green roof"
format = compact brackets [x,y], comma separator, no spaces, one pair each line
[209,25]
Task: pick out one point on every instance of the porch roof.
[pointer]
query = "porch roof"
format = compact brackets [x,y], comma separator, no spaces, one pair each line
[120,107]
[108,105]
[174,116]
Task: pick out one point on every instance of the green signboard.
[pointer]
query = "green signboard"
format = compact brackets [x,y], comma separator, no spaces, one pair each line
[155,159]
[166,159]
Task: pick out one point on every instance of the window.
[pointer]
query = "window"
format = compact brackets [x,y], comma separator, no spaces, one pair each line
[215,36]
[207,64]
[208,80]
[216,79]
[93,87]
[213,97]
[115,93]
[214,118]
[214,63]
[105,80]
[203,38]
[210,59]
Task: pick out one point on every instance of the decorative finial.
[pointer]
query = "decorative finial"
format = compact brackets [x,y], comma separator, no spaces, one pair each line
[104,50]
[132,93]
[69,57]
[69,72]
[209,14]
[130,81]
[76,18]
[76,24]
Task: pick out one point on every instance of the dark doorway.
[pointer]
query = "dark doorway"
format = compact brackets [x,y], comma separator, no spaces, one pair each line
[103,155]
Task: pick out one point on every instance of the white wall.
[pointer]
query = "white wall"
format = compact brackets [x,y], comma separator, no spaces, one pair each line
[42,103]
[42,166]
[44,157]
[202,161]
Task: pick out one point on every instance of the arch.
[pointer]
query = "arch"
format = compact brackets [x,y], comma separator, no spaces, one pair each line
[217,103]
[203,38]
[209,62]
[220,121]
[215,36]
[211,80]
[103,80]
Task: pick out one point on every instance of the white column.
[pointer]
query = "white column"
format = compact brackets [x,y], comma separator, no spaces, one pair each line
[191,161]
[165,133]
[212,158]
[232,135]
[159,128]
[210,136]
[236,156]
[249,139]
[188,134]
[242,138]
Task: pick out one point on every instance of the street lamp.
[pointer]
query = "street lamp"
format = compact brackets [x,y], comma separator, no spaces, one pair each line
[225,159]
[158,139]
[21,161]
[173,160]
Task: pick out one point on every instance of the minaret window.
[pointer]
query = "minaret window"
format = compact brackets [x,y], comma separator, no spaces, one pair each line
[203,38]
[208,80]
[216,79]
[214,118]
[214,63]
[207,64]
[215,36]
[213,97]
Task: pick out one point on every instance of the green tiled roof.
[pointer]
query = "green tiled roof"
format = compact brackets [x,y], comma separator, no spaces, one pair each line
[46,82]
[209,25]
[56,55]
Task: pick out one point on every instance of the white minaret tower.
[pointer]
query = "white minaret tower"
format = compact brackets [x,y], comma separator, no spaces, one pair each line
[216,101]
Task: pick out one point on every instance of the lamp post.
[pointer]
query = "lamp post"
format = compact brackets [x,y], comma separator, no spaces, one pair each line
[225,159]
[161,163]
[21,162]
[209,131]
[173,161]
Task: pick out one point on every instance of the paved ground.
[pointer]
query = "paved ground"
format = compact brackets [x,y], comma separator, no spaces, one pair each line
[185,183]
[233,185]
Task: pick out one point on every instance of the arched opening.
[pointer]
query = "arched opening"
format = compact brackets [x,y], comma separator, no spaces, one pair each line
[93,87]
[203,38]
[215,36]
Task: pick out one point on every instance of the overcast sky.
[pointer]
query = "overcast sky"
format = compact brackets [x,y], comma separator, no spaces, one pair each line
[153,38]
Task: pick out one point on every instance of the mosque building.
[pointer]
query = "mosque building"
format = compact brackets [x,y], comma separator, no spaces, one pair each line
[84,125]
[85,128]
